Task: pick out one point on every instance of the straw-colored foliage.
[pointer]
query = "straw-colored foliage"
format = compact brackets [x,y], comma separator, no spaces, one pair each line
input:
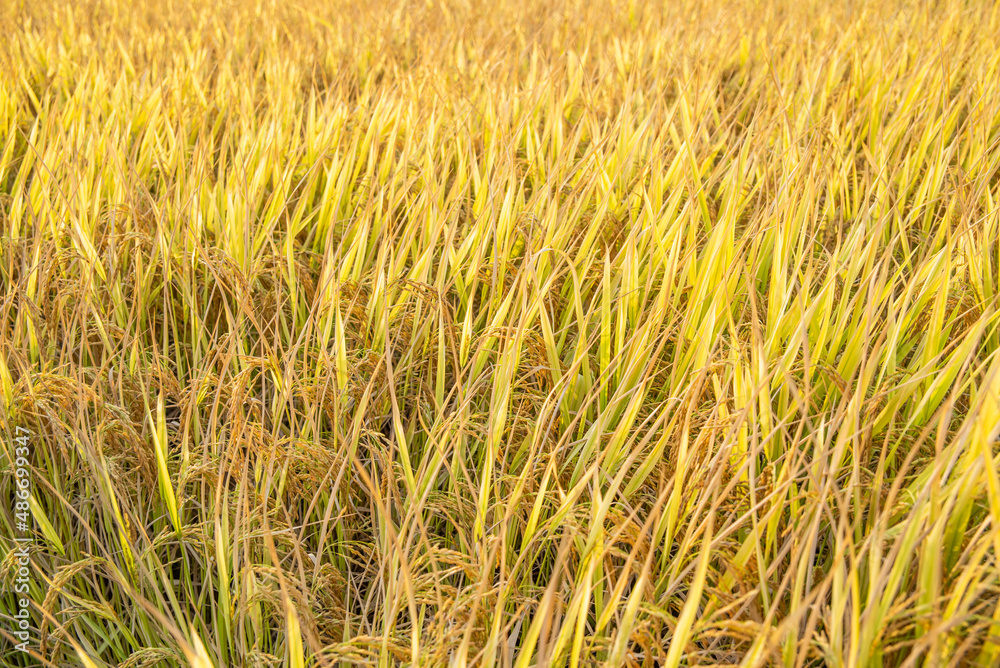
[461,333]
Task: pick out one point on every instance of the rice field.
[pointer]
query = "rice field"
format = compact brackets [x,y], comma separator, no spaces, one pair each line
[500,334]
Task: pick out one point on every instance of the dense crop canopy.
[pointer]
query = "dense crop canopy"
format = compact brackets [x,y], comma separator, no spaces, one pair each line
[462,333]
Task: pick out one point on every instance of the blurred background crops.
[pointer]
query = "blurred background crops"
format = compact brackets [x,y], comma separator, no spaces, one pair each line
[460,333]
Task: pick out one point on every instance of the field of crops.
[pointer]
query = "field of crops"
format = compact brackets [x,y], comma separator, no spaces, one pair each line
[502,334]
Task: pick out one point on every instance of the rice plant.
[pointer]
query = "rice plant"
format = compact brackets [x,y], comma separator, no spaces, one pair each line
[500,334]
